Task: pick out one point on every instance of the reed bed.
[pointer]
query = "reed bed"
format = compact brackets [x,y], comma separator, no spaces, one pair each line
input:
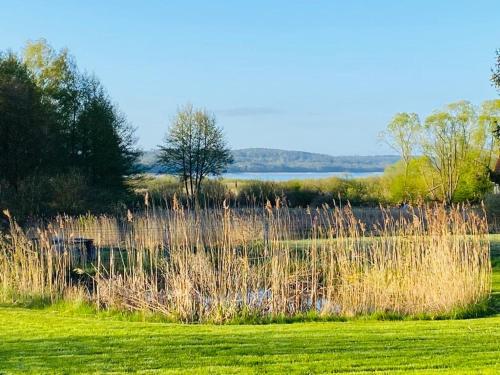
[221,264]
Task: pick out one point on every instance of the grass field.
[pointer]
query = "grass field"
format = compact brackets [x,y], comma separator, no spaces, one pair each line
[53,341]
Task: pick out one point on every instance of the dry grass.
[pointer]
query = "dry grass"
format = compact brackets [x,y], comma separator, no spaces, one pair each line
[222,264]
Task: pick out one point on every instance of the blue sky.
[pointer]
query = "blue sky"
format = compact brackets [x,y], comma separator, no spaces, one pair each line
[319,76]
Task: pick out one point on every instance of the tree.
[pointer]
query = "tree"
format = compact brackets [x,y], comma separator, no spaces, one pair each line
[489,122]
[401,135]
[56,75]
[409,183]
[59,127]
[194,148]
[495,80]
[23,130]
[449,145]
[94,139]
[104,143]
[495,72]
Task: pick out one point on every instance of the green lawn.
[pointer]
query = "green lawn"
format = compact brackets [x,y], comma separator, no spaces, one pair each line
[48,341]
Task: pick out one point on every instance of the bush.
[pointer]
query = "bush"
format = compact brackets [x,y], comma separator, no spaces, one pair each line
[69,193]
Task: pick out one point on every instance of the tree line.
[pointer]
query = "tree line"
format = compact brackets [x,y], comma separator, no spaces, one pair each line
[448,157]
[64,146]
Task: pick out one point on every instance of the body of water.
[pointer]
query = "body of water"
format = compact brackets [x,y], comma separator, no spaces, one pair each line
[286,176]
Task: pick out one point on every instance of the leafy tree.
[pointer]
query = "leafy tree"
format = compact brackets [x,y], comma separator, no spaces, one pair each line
[194,148]
[103,140]
[57,77]
[23,130]
[401,135]
[409,183]
[455,144]
[474,184]
[94,138]
[489,122]
[58,125]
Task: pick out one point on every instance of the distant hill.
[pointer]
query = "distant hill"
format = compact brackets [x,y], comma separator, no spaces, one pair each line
[272,160]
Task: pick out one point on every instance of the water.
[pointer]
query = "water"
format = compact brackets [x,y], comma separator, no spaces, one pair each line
[286,176]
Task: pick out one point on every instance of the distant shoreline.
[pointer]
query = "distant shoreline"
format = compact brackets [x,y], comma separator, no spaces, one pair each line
[261,160]
[289,176]
[286,176]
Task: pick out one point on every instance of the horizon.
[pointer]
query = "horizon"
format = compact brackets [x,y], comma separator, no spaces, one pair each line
[287,150]
[317,77]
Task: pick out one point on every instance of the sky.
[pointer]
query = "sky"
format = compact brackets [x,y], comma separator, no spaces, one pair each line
[317,76]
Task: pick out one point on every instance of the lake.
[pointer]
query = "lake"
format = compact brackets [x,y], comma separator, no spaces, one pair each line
[286,176]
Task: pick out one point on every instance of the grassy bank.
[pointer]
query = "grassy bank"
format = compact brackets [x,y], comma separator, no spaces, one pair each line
[53,341]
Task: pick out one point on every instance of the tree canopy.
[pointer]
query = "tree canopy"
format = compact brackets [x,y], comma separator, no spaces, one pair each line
[457,151]
[58,125]
[194,148]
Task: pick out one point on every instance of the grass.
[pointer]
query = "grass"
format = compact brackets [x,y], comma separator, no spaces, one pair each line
[53,340]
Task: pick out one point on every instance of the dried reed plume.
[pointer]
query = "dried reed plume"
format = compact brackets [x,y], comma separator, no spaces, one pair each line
[220,264]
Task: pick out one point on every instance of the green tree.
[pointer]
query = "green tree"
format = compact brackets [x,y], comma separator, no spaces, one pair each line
[454,144]
[409,182]
[402,136]
[24,134]
[104,141]
[489,123]
[194,148]
[59,127]
[56,75]
[94,138]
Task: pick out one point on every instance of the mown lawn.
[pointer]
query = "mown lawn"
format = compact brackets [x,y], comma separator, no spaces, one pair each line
[49,341]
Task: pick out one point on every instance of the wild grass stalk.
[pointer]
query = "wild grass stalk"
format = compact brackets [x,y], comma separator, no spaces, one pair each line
[221,264]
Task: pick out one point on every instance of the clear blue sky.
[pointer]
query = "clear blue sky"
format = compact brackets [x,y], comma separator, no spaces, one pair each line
[320,76]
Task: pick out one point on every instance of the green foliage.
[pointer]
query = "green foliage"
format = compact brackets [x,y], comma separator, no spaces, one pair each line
[298,193]
[474,184]
[458,149]
[401,134]
[489,121]
[24,139]
[407,183]
[63,144]
[258,192]
[164,189]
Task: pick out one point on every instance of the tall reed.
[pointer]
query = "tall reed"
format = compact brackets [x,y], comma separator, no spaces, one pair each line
[221,263]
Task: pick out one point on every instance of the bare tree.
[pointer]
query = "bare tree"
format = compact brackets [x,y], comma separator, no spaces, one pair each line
[194,148]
